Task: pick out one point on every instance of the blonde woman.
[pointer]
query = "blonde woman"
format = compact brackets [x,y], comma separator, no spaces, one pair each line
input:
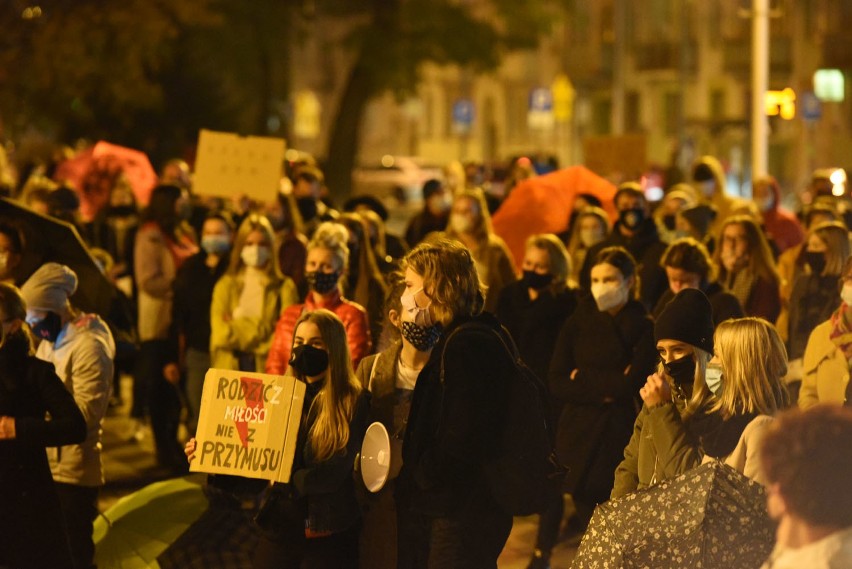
[470,223]
[326,267]
[248,299]
[747,268]
[590,228]
[745,379]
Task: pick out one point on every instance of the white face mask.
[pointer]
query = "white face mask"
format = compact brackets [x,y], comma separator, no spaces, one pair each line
[413,313]
[590,237]
[609,295]
[713,377]
[846,294]
[708,188]
[255,255]
[460,223]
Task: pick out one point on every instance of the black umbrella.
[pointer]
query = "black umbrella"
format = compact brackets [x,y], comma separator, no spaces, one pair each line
[48,239]
[711,516]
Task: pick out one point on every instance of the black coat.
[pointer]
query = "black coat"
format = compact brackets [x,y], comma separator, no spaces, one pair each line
[193,295]
[535,324]
[32,534]
[454,427]
[600,402]
[647,250]
[813,300]
[329,485]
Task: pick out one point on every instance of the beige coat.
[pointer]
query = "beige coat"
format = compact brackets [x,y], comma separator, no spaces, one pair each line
[825,370]
[744,458]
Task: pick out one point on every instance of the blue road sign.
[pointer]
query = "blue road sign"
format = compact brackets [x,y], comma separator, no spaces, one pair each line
[810,106]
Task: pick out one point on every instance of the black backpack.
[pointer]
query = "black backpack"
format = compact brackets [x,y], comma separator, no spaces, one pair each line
[524,474]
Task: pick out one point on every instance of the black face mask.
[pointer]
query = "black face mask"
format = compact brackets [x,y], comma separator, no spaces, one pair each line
[307,207]
[536,280]
[122,211]
[423,338]
[48,328]
[321,282]
[631,218]
[682,370]
[816,261]
[308,360]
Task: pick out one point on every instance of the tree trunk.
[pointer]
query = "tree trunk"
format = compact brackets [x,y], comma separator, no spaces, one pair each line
[346,131]
[361,86]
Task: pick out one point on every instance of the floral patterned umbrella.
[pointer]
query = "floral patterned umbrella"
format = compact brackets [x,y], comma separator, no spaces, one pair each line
[711,516]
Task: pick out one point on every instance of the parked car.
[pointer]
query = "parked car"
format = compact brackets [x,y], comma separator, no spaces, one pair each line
[395,178]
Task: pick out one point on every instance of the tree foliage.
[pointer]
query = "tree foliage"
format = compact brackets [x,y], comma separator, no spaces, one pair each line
[150,73]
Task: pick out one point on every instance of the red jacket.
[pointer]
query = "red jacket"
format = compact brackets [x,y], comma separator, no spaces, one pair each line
[352,314]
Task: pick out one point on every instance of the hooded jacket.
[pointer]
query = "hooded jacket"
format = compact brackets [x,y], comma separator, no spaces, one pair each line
[83,356]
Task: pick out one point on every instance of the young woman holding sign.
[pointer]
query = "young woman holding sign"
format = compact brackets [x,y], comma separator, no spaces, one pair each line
[314,520]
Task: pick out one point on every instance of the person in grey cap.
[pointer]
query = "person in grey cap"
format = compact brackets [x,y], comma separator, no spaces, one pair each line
[684,336]
[81,348]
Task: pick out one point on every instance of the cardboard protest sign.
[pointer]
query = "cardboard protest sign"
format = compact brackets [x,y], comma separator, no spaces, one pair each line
[230,165]
[248,424]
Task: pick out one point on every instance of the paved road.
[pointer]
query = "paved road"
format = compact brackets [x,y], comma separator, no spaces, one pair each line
[130,465]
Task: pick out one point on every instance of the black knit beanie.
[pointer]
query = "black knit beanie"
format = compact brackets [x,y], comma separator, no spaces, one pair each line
[687,318]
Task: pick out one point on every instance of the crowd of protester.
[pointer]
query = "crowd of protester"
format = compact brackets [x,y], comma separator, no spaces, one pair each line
[669,336]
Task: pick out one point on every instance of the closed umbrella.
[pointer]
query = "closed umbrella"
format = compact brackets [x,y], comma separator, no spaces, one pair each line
[709,517]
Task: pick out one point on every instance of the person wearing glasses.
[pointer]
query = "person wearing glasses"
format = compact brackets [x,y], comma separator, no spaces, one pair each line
[825,366]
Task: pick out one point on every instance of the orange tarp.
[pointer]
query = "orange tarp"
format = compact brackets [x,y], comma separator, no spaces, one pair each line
[544,204]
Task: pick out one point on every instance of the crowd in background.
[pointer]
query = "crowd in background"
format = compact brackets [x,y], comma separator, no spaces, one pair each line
[617,315]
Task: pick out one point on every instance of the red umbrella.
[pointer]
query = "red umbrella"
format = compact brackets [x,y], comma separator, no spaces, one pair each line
[543,205]
[94,172]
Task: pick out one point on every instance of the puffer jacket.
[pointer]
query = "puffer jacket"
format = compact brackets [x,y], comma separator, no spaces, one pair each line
[83,356]
[825,371]
[352,314]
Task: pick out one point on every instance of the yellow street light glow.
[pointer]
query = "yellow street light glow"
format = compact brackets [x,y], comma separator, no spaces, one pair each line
[781,103]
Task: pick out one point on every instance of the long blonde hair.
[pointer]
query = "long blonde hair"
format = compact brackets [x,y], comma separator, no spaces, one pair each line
[753,361]
[334,405]
[761,262]
[259,223]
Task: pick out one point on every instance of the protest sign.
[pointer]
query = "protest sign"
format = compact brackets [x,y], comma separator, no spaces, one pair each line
[248,424]
[229,165]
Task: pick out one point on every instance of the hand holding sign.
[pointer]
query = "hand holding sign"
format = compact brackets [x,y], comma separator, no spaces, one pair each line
[248,425]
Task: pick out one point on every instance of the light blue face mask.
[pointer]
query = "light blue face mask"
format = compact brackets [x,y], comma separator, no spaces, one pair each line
[713,377]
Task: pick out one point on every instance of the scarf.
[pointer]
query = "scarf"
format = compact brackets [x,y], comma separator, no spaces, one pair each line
[718,436]
[740,284]
[841,331]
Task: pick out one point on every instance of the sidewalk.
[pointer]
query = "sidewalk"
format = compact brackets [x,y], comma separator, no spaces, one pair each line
[131,465]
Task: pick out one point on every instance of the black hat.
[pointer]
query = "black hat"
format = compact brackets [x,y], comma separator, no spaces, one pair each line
[368,201]
[700,217]
[687,318]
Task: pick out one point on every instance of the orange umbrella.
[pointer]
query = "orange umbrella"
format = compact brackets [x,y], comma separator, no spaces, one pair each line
[544,204]
[94,172]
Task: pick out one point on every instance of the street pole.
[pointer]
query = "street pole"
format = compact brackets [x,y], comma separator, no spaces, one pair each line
[759,86]
[619,64]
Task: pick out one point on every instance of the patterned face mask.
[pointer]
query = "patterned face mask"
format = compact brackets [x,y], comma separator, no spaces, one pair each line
[417,327]
[423,338]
